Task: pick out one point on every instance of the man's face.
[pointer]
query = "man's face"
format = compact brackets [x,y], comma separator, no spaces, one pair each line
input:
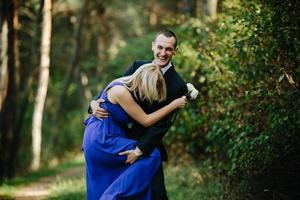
[163,48]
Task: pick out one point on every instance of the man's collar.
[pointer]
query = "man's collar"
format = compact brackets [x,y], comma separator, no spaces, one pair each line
[164,69]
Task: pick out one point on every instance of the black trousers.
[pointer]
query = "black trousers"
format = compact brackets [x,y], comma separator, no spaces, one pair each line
[158,187]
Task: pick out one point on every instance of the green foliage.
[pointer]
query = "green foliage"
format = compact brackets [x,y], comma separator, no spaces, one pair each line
[247,116]
[203,60]
[67,139]
[245,64]
[268,129]
[135,49]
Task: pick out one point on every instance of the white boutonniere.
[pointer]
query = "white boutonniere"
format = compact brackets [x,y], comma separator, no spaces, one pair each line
[192,91]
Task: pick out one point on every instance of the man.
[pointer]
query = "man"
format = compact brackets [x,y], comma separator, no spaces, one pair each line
[164,48]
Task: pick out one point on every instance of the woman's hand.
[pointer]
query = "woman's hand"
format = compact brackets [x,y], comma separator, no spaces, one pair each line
[98,112]
[180,102]
[132,155]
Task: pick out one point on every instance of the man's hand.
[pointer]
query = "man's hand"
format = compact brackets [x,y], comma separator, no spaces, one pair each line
[98,112]
[132,155]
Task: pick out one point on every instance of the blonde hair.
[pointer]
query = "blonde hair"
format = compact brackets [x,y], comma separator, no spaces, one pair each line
[146,83]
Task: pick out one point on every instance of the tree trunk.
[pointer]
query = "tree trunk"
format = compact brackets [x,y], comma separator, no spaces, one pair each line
[43,85]
[27,77]
[9,100]
[3,63]
[84,82]
[153,17]
[3,87]
[16,45]
[210,8]
[14,147]
[198,7]
[104,29]
[187,7]
[75,58]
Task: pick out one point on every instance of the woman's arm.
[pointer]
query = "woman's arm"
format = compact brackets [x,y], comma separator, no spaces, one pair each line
[120,95]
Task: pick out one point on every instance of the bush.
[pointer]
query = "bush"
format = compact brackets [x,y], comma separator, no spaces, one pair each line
[247,117]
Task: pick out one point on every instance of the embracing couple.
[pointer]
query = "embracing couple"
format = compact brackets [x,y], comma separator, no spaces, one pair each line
[122,141]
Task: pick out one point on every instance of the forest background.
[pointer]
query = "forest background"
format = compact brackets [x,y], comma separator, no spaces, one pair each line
[243,57]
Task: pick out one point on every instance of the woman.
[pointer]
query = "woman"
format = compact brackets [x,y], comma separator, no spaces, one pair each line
[107,175]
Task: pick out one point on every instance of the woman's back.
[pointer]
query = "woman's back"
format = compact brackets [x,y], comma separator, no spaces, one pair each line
[111,126]
[116,112]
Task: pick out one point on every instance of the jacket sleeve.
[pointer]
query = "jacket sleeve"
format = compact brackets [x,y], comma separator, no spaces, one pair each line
[131,69]
[153,135]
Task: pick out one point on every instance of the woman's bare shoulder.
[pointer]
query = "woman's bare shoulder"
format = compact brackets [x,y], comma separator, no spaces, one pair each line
[119,91]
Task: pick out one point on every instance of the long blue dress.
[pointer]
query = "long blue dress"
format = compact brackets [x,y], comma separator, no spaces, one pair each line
[107,175]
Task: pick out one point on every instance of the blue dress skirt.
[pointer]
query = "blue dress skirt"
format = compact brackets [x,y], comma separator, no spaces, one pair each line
[107,175]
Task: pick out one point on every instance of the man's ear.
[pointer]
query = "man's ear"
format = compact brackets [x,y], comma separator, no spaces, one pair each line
[175,51]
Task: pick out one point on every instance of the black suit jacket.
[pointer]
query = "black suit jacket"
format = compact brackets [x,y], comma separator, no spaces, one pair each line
[151,137]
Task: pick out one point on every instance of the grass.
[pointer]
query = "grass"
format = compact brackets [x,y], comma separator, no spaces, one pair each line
[10,187]
[188,182]
[70,189]
[192,182]
[183,182]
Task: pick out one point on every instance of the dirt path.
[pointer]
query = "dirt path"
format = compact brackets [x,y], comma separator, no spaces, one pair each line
[40,190]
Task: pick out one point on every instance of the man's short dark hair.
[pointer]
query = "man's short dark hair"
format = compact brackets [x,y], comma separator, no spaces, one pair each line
[167,33]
